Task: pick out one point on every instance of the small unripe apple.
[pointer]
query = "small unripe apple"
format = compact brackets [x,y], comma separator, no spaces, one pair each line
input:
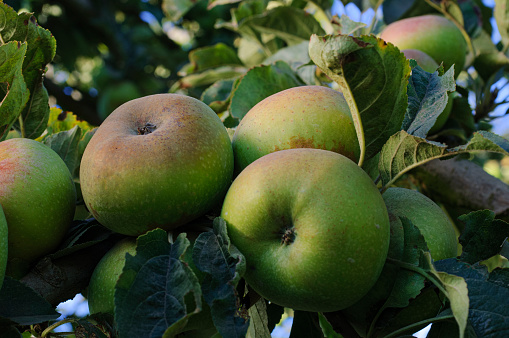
[312,226]
[101,289]
[428,217]
[300,117]
[434,35]
[159,161]
[38,197]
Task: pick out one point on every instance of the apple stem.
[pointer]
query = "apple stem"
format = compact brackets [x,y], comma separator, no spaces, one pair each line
[288,236]
[148,128]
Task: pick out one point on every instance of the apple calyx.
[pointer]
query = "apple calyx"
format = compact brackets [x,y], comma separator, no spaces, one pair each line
[288,236]
[146,129]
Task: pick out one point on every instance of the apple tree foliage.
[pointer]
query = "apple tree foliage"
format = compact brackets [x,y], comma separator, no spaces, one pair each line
[238,53]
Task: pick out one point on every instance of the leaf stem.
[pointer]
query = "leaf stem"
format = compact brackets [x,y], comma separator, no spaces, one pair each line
[420,271]
[21,125]
[372,23]
[418,324]
[55,325]
[356,116]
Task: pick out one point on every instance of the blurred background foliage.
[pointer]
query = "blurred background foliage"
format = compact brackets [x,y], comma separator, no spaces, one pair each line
[109,52]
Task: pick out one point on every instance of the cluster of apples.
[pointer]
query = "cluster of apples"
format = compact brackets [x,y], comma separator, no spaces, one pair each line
[313,226]
[311,223]
[37,204]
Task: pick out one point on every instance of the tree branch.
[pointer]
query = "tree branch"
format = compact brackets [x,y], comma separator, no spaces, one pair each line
[464,185]
[61,279]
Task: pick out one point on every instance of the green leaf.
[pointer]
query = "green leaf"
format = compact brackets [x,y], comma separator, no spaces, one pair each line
[408,284]
[327,329]
[394,10]
[258,320]
[501,15]
[292,25]
[213,56]
[60,120]
[87,329]
[223,267]
[217,96]
[457,293]
[346,26]
[424,307]
[373,77]
[297,57]
[40,52]
[482,236]
[261,82]
[12,83]
[403,152]
[83,234]
[449,328]
[305,325]
[214,3]
[488,293]
[22,305]
[488,59]
[10,331]
[176,9]
[427,98]
[152,288]
[209,76]
[66,145]
[274,313]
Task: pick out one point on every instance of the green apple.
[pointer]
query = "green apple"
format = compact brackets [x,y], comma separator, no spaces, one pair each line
[427,63]
[159,161]
[299,117]
[38,197]
[101,289]
[312,226]
[428,217]
[434,35]
[3,245]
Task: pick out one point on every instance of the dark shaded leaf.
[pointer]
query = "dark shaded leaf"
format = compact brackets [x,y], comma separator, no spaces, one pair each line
[223,267]
[213,56]
[488,313]
[427,98]
[66,145]
[297,26]
[306,325]
[22,305]
[403,152]
[12,84]
[373,77]
[259,83]
[149,295]
[482,236]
